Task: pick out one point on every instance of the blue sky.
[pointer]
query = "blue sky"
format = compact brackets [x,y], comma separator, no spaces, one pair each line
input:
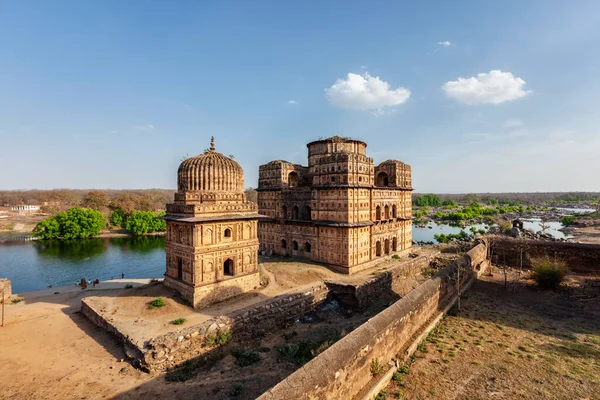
[112,94]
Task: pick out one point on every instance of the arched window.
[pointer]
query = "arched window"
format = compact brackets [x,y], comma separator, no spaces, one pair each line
[307,213]
[293,179]
[382,179]
[283,244]
[378,249]
[179,268]
[387,212]
[295,212]
[307,247]
[387,246]
[394,214]
[227,233]
[294,245]
[284,212]
[228,267]
[378,213]
[394,244]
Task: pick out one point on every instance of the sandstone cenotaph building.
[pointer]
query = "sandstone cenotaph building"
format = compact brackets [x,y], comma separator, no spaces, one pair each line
[211,238]
[341,209]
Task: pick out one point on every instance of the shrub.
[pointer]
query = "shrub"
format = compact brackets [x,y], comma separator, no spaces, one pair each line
[381,395]
[396,257]
[246,357]
[377,368]
[17,300]
[128,286]
[178,321]
[156,303]
[219,339]
[568,220]
[237,390]
[548,273]
[75,223]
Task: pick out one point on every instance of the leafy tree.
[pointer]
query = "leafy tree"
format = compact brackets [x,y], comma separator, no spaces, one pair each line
[449,203]
[428,200]
[143,222]
[75,223]
[118,218]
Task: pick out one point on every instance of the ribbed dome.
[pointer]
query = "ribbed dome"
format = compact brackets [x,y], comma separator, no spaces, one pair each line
[210,172]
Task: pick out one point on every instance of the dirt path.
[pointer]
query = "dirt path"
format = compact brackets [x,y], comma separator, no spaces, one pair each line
[50,351]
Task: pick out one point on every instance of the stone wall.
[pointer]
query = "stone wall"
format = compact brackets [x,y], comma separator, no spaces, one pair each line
[5,285]
[171,349]
[366,293]
[343,370]
[584,258]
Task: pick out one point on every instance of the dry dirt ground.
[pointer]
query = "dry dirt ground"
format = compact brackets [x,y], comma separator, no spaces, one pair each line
[526,344]
[49,350]
[588,234]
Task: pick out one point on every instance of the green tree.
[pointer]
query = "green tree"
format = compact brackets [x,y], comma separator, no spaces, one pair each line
[143,222]
[118,218]
[75,223]
[431,200]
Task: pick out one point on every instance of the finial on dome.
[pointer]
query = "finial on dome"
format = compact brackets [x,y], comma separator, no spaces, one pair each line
[212,143]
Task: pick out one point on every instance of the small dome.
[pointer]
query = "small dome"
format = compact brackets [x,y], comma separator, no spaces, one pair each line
[210,172]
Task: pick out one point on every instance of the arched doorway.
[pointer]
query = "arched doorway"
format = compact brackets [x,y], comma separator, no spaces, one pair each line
[387,212]
[378,213]
[394,215]
[295,212]
[293,179]
[307,247]
[284,212]
[227,233]
[228,267]
[387,246]
[394,244]
[378,249]
[382,179]
[179,268]
[283,244]
[307,213]
[294,245]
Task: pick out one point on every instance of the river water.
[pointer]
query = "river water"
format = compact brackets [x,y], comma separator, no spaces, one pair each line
[33,265]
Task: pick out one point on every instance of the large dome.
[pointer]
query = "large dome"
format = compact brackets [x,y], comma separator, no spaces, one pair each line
[210,172]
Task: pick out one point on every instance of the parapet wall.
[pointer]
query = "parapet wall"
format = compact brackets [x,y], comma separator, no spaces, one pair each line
[584,258]
[6,287]
[343,370]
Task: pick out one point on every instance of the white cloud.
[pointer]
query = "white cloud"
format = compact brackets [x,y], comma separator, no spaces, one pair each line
[292,102]
[145,128]
[493,87]
[512,123]
[365,92]
[445,43]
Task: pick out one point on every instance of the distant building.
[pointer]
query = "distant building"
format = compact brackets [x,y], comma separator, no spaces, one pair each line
[341,209]
[25,208]
[211,239]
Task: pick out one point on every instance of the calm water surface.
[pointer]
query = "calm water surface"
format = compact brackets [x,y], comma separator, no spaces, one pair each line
[35,265]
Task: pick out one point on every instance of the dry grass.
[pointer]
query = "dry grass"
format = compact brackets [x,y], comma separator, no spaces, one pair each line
[504,345]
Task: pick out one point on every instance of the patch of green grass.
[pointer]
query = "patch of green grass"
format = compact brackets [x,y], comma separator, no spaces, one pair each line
[377,368]
[304,351]
[400,394]
[178,321]
[404,369]
[220,338]
[156,303]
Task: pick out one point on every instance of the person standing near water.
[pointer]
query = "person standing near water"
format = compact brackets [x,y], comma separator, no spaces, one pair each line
[122,275]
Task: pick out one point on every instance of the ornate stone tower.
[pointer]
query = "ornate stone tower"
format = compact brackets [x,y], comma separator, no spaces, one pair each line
[341,209]
[211,239]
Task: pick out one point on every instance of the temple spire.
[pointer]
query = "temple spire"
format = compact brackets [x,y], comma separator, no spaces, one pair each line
[212,143]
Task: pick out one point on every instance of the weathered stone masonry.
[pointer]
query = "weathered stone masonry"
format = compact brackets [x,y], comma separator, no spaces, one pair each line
[341,209]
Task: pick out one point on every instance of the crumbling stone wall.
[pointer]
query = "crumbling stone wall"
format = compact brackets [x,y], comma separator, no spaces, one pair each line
[343,370]
[171,349]
[580,257]
[6,286]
